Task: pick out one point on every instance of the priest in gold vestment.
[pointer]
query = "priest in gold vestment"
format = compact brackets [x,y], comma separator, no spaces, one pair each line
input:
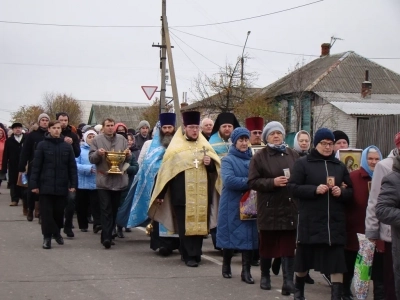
[185,194]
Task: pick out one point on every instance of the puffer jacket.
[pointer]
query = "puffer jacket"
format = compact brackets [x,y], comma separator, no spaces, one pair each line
[105,181]
[28,149]
[373,228]
[86,178]
[276,207]
[234,233]
[388,212]
[322,218]
[54,167]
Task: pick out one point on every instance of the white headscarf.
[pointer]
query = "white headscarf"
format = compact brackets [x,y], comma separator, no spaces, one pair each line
[91,131]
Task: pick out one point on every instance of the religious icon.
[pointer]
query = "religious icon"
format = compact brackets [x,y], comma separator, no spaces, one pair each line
[286,172]
[351,158]
[256,148]
[330,181]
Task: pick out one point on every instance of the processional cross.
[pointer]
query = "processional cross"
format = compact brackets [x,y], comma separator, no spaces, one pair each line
[204,151]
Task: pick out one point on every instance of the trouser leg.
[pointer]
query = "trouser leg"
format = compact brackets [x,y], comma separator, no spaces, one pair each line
[82,204]
[69,210]
[51,213]
[14,193]
[95,207]
[377,276]
[350,257]
[389,286]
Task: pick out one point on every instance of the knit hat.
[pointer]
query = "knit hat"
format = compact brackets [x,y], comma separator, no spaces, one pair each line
[323,134]
[143,123]
[91,131]
[270,127]
[98,127]
[85,128]
[43,115]
[397,140]
[340,135]
[239,132]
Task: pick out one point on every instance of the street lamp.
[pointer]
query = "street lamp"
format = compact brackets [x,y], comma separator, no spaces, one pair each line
[242,58]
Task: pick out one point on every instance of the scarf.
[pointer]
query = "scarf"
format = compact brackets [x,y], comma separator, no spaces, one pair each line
[246,155]
[279,148]
[364,159]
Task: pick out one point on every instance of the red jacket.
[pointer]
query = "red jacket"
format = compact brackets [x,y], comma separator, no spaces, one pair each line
[356,210]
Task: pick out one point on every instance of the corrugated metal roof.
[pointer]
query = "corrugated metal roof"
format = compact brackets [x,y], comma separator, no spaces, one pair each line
[368,108]
[128,115]
[356,97]
[338,73]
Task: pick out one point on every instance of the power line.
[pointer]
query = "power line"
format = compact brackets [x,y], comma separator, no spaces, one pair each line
[157,26]
[195,50]
[241,46]
[185,53]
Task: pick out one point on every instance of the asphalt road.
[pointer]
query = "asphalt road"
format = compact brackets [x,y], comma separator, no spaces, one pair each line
[83,269]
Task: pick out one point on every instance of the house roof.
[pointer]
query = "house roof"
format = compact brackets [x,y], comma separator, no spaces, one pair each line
[338,73]
[129,115]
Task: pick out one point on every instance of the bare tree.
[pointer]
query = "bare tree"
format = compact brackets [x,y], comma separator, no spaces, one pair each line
[224,90]
[54,103]
[257,105]
[27,115]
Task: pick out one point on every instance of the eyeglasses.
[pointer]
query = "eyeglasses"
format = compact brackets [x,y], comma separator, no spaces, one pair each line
[324,144]
[256,132]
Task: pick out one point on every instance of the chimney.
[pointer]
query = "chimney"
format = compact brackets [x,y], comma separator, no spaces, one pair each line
[184,104]
[366,87]
[325,49]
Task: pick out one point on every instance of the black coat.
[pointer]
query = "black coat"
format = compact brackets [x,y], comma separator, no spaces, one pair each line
[140,140]
[11,156]
[54,167]
[321,218]
[32,139]
[76,145]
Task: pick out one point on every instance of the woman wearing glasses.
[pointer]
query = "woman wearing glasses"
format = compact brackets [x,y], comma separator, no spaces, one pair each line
[321,229]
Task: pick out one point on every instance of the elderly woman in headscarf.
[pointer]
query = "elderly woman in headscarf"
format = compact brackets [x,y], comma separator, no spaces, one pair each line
[355,223]
[276,209]
[321,229]
[234,233]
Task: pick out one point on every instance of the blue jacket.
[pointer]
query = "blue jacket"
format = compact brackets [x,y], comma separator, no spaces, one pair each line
[86,179]
[232,232]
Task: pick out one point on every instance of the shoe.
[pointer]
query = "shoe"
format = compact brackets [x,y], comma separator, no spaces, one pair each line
[246,265]
[299,293]
[308,279]
[14,203]
[192,263]
[120,234]
[112,243]
[59,239]
[226,263]
[84,230]
[47,243]
[288,273]
[327,279]
[69,232]
[107,244]
[164,251]
[276,265]
[29,216]
[265,266]
[96,228]
[336,291]
[90,220]
[128,230]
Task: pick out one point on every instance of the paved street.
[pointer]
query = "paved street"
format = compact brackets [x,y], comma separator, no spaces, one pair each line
[83,269]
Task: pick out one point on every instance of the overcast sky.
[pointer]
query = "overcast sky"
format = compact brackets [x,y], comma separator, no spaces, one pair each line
[111,64]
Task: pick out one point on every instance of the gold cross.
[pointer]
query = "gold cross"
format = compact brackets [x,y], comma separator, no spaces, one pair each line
[196,163]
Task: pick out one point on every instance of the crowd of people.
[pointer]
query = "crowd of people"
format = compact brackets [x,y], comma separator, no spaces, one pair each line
[185,183]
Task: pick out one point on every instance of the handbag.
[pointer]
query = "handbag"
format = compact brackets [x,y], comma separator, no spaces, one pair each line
[22,180]
[248,206]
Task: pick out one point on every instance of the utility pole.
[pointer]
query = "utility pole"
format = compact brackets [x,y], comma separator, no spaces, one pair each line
[172,73]
[242,60]
[163,58]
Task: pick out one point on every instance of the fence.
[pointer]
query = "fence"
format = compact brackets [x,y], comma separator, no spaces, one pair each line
[378,131]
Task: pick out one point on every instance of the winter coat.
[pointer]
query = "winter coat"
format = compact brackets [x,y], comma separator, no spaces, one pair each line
[86,178]
[276,207]
[54,167]
[67,132]
[356,210]
[373,228]
[11,156]
[388,212]
[140,140]
[28,149]
[321,217]
[105,181]
[234,233]
[2,145]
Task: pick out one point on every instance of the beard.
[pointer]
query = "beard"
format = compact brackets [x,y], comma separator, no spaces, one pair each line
[165,139]
[225,137]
